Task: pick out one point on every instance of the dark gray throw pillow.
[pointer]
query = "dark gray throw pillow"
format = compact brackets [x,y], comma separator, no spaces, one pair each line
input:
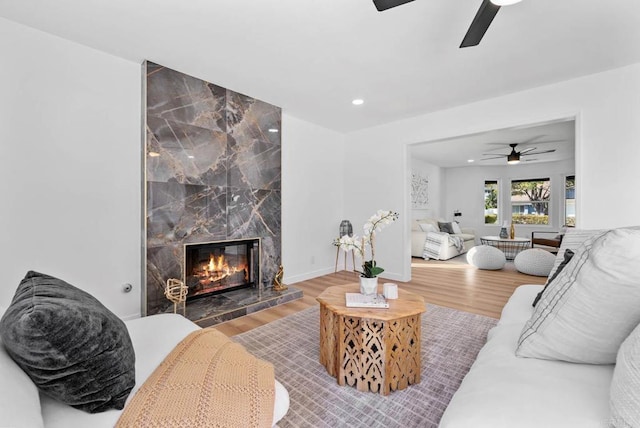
[446,227]
[568,255]
[72,347]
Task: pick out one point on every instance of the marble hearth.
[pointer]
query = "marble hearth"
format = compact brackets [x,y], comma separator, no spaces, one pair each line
[233,304]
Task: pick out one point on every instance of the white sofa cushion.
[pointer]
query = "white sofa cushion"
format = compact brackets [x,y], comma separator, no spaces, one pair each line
[466,236]
[19,399]
[573,239]
[591,307]
[428,227]
[504,391]
[151,350]
[625,386]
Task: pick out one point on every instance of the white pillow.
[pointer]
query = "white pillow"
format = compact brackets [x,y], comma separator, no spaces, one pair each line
[456,228]
[572,240]
[625,385]
[428,227]
[19,398]
[590,308]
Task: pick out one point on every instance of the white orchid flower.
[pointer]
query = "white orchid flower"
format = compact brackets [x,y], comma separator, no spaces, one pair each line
[375,224]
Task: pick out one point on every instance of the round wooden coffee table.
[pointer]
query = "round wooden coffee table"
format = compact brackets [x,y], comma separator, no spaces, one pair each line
[373,349]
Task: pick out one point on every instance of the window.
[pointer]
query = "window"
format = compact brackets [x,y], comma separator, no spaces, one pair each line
[530,201]
[490,202]
[570,200]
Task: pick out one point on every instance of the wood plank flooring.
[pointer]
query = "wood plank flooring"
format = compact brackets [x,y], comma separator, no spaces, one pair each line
[452,283]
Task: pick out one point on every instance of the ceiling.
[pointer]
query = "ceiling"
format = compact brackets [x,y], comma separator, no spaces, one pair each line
[456,152]
[313,57]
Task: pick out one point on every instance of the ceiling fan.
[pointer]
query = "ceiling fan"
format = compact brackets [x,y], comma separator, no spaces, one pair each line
[514,157]
[479,25]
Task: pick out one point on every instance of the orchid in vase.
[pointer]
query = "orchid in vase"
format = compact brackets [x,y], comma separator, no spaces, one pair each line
[376,223]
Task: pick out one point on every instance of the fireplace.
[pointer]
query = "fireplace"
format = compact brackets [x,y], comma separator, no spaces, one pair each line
[217,267]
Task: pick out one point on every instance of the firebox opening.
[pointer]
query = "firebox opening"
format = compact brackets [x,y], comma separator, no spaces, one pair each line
[216,267]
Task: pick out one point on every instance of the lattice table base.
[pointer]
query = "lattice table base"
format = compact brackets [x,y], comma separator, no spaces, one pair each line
[370,354]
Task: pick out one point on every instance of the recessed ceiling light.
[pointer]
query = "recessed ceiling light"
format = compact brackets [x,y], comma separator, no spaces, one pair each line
[470,160]
[191,156]
[273,130]
[357,102]
[154,154]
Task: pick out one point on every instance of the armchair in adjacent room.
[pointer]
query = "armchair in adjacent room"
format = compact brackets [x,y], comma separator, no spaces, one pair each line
[547,239]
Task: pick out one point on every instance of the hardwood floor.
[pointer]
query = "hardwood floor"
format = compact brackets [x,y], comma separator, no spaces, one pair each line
[452,283]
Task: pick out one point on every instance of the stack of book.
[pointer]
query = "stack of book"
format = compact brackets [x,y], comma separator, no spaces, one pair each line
[357,300]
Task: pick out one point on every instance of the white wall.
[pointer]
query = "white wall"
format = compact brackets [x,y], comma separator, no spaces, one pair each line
[312,193]
[464,191]
[606,107]
[70,172]
[436,183]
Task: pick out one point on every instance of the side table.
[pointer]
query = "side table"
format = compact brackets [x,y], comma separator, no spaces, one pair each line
[353,258]
[510,247]
[372,349]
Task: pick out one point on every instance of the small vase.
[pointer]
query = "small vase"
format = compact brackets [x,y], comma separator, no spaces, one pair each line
[346,228]
[503,233]
[512,232]
[368,285]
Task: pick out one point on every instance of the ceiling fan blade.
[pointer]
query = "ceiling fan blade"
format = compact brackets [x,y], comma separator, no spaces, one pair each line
[388,4]
[480,24]
[537,153]
[495,157]
[527,150]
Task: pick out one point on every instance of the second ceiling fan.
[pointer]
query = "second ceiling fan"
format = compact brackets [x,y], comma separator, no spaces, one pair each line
[514,156]
[487,11]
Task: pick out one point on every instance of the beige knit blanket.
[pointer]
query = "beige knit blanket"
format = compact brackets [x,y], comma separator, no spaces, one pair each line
[206,381]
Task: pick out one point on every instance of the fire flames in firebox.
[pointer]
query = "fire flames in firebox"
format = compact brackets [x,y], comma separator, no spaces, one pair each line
[219,269]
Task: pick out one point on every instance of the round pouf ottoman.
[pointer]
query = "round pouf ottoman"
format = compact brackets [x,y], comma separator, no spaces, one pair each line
[534,261]
[486,257]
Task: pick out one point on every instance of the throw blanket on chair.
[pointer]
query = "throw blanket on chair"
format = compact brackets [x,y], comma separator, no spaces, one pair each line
[436,242]
[206,381]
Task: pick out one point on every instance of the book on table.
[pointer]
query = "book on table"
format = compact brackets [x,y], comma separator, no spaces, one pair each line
[357,300]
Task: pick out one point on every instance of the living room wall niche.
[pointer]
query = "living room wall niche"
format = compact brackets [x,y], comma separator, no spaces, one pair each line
[212,173]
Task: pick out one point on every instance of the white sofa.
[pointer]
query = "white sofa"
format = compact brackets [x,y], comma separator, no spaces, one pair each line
[22,406]
[447,250]
[505,391]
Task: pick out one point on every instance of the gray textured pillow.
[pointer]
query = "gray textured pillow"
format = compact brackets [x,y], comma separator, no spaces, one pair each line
[71,346]
[446,227]
[625,385]
[586,313]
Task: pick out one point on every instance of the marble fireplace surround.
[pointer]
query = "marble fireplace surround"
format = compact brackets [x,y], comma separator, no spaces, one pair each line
[212,173]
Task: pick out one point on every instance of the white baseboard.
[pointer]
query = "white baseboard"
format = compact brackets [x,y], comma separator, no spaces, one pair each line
[314,274]
[289,280]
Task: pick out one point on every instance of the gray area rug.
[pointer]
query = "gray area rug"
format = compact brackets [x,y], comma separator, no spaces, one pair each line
[450,342]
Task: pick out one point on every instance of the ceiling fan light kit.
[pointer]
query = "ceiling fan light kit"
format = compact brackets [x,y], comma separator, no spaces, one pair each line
[513,158]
